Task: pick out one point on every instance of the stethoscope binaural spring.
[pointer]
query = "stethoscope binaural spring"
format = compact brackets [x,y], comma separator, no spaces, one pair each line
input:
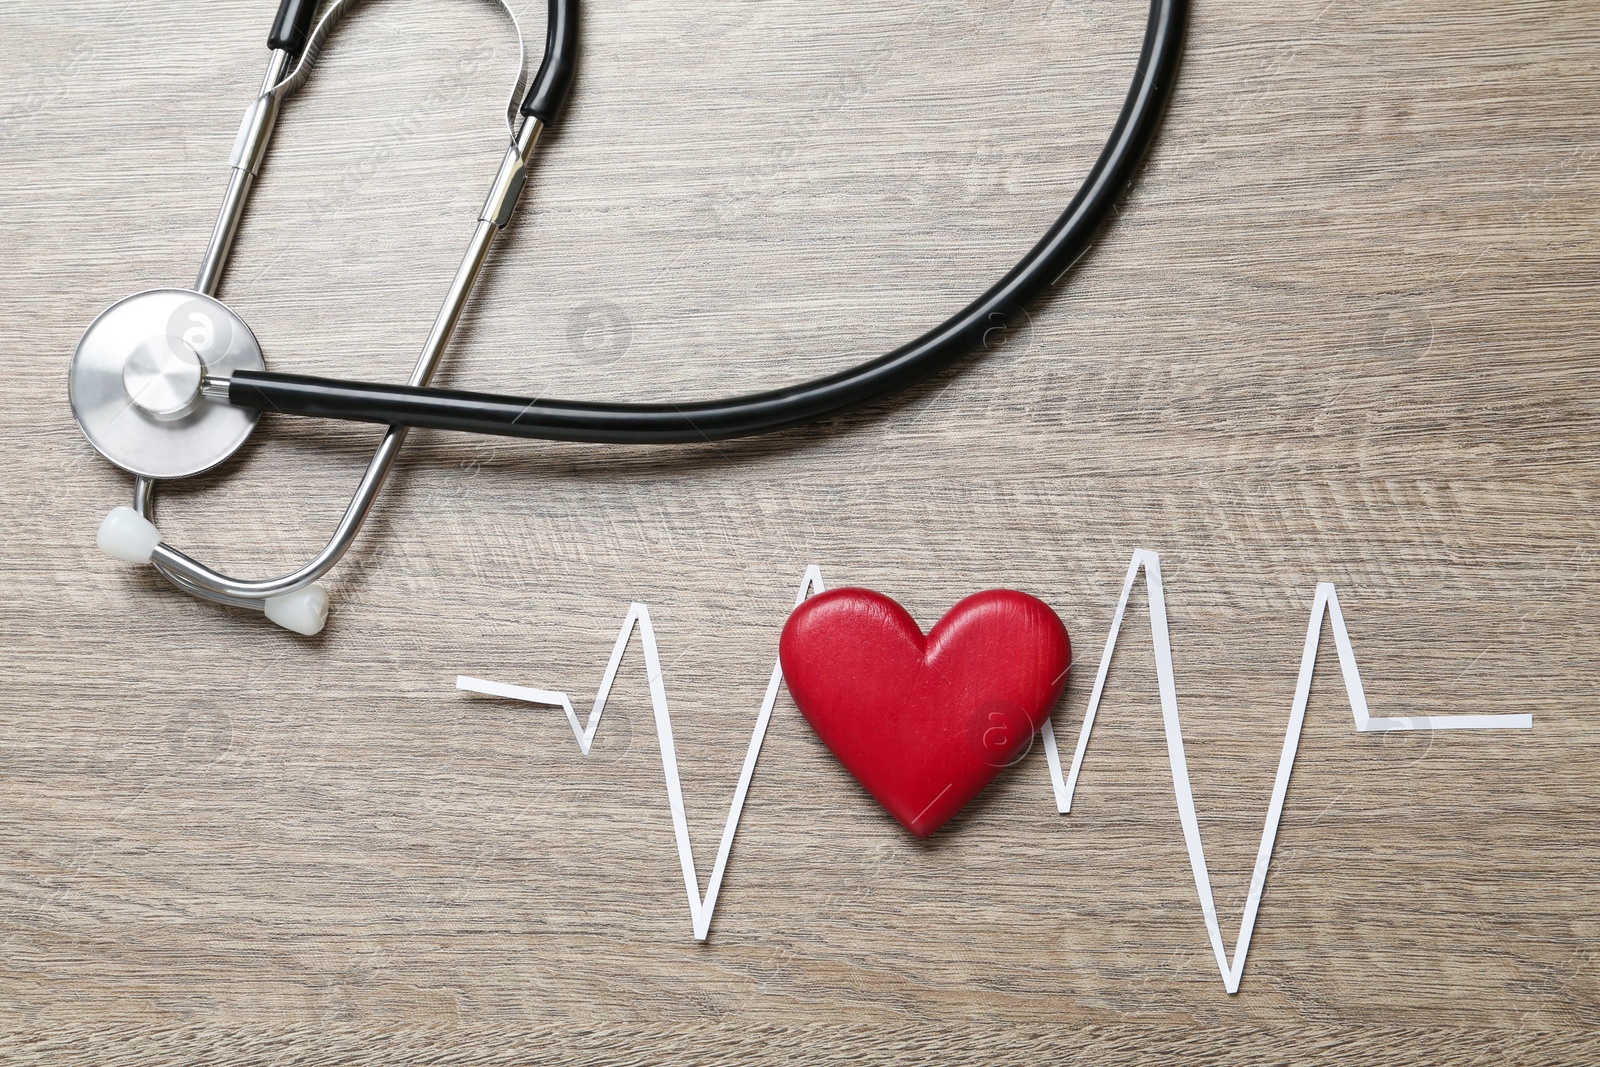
[169,383]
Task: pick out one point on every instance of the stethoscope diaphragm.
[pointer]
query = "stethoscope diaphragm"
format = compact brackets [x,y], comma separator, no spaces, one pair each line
[135,377]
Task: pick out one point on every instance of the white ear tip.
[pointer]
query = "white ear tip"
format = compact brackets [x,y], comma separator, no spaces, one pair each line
[127,535]
[304,611]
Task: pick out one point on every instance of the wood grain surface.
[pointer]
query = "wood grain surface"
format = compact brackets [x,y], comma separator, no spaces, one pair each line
[1343,330]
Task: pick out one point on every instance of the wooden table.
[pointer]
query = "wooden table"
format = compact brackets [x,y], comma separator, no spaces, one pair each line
[1343,330]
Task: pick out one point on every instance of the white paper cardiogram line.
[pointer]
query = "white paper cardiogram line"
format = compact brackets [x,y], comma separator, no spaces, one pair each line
[1326,603]
[700,908]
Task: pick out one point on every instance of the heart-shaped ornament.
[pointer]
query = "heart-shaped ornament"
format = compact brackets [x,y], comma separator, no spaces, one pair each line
[924,723]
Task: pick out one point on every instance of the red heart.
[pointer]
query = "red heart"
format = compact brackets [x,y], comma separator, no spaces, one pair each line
[925,722]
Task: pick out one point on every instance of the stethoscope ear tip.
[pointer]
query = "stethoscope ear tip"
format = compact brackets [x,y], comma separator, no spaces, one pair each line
[128,536]
[304,611]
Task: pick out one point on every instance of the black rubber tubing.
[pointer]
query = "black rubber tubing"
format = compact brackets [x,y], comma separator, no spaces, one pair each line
[567,420]
[548,93]
[292,26]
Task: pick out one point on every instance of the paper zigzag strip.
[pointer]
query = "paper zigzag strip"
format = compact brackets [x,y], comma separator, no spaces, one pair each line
[1326,604]
[700,908]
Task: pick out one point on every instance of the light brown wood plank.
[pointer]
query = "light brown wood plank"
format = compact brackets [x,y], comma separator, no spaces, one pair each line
[1343,330]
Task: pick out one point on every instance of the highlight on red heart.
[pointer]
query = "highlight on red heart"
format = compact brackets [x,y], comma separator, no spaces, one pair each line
[924,723]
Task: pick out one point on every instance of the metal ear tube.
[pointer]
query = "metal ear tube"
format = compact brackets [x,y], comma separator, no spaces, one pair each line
[165,423]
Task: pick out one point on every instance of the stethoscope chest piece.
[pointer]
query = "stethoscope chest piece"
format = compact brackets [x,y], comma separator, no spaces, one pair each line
[136,376]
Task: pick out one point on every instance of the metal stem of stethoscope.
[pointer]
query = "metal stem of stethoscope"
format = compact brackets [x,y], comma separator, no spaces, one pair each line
[248,153]
[162,367]
[196,577]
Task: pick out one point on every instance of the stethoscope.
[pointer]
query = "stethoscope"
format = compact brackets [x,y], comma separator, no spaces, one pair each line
[169,383]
